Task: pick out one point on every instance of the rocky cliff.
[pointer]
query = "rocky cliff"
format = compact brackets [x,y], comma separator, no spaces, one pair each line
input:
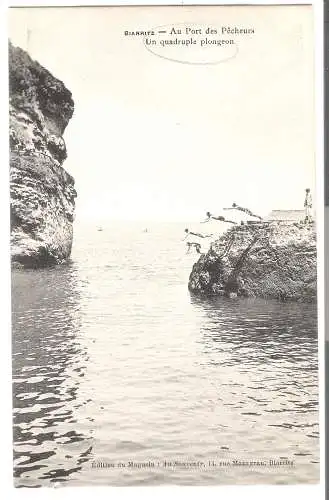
[42,193]
[276,260]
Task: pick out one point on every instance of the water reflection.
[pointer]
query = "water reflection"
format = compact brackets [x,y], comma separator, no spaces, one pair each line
[268,331]
[265,353]
[169,378]
[49,362]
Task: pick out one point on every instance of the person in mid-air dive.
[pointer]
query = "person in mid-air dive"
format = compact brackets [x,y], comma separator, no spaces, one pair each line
[219,217]
[191,244]
[198,235]
[245,210]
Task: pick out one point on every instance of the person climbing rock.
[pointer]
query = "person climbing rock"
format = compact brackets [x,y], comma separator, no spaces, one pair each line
[191,244]
[228,246]
[219,218]
[308,206]
[198,235]
[245,210]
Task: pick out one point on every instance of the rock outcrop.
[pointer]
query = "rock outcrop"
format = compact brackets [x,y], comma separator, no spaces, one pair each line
[42,193]
[262,260]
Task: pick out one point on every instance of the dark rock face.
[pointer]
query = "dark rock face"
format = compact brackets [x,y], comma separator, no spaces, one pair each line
[42,192]
[269,261]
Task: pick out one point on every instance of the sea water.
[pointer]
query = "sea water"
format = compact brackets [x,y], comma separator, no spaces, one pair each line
[121,377]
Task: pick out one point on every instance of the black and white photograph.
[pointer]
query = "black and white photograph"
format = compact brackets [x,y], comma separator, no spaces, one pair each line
[163,240]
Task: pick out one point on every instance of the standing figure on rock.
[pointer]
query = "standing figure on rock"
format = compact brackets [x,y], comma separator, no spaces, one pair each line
[198,235]
[219,218]
[191,244]
[308,206]
[245,210]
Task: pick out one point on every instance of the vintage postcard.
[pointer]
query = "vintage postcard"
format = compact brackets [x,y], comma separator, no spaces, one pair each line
[164,245]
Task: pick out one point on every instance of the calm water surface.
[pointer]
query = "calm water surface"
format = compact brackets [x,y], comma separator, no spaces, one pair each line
[114,362]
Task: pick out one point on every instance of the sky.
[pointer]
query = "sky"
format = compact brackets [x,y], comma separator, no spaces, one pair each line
[152,139]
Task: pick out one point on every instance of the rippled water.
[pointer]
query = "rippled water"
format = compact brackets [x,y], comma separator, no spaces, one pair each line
[115,364]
